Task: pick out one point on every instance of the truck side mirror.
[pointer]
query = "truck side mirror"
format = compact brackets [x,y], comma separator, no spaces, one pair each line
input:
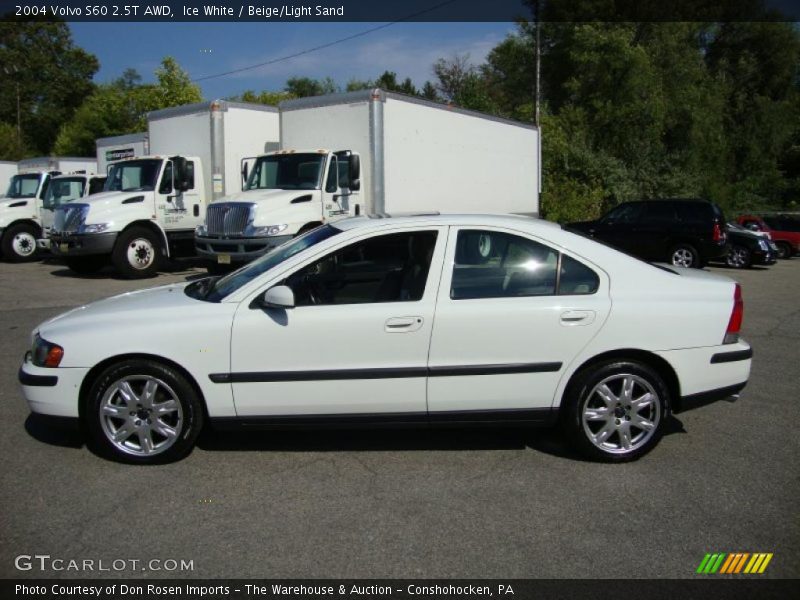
[180,173]
[245,172]
[280,296]
[355,172]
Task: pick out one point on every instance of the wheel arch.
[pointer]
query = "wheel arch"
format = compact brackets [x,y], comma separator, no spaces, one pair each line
[654,361]
[96,370]
[30,222]
[155,228]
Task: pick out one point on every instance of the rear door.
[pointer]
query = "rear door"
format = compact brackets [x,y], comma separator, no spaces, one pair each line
[512,313]
[656,228]
[618,228]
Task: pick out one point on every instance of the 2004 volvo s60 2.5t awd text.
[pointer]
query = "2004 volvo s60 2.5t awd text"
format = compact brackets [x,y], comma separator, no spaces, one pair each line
[428,319]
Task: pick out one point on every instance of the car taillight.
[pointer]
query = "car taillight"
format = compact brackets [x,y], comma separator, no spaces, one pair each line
[737,314]
[718,235]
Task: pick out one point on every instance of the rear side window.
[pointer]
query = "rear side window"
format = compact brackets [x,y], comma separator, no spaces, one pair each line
[658,213]
[625,214]
[693,213]
[490,264]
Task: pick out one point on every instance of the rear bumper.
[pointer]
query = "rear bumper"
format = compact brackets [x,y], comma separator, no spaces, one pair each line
[53,392]
[238,249]
[82,244]
[711,370]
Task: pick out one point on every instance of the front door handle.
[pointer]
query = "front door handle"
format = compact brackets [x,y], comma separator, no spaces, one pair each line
[577,317]
[403,324]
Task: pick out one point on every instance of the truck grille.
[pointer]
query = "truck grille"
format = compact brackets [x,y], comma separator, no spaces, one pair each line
[228,218]
[69,217]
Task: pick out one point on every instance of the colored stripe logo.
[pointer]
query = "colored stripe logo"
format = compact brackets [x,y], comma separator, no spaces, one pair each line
[734,563]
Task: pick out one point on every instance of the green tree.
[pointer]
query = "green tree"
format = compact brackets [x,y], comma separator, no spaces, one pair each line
[302,87]
[264,97]
[53,77]
[175,87]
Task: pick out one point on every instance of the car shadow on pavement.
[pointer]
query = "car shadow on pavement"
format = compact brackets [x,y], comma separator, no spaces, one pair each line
[335,440]
[172,267]
[50,431]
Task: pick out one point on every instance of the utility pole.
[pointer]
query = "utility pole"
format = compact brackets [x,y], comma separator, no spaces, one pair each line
[537,54]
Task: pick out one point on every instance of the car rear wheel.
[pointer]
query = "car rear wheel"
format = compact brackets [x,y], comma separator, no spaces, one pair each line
[143,412]
[784,250]
[684,255]
[739,257]
[615,411]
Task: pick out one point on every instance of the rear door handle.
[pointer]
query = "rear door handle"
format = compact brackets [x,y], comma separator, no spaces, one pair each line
[403,324]
[577,317]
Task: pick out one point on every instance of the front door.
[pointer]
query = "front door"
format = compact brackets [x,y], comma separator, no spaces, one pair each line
[507,324]
[356,342]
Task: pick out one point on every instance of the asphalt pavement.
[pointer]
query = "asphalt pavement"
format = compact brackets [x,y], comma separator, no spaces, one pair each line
[408,503]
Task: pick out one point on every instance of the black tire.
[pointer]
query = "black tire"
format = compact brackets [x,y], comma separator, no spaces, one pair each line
[784,250]
[86,265]
[144,258]
[581,395]
[143,423]
[739,257]
[19,243]
[684,255]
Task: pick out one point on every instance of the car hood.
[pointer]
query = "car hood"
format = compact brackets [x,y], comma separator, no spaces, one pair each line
[7,202]
[268,195]
[121,309]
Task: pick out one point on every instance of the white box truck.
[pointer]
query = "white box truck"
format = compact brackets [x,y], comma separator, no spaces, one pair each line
[22,210]
[153,203]
[373,151]
[114,148]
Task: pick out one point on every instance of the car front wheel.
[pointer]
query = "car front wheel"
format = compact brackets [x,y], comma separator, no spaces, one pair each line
[143,412]
[616,411]
[739,257]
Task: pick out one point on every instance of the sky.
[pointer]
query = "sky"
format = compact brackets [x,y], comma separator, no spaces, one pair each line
[409,49]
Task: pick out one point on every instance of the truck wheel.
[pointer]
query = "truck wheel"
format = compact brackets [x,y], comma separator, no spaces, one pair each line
[137,253]
[615,411]
[684,255]
[784,250]
[19,243]
[85,265]
[141,411]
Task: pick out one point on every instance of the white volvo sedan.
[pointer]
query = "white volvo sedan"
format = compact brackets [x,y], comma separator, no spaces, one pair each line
[422,320]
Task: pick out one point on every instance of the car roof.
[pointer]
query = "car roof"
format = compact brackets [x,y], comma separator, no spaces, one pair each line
[470,219]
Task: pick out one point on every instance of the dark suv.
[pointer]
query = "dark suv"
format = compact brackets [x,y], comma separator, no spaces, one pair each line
[685,233]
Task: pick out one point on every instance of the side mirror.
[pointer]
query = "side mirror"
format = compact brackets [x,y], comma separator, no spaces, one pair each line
[355,172]
[280,296]
[179,173]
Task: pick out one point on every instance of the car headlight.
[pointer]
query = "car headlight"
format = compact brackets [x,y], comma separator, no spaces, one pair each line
[200,230]
[763,244]
[268,230]
[46,354]
[95,227]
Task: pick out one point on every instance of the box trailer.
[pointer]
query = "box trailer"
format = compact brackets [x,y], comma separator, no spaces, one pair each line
[22,214]
[7,170]
[112,149]
[154,202]
[373,151]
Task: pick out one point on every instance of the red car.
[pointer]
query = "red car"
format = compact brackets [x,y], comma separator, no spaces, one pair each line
[784,230]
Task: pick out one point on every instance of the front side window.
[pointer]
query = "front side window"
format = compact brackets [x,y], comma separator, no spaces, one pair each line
[287,172]
[64,190]
[133,176]
[491,264]
[23,186]
[386,268]
[166,180]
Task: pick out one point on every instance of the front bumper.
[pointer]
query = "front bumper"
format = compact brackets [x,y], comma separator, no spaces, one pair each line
[237,250]
[49,391]
[82,244]
[764,257]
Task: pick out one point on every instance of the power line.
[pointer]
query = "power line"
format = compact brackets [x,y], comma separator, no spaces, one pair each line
[323,46]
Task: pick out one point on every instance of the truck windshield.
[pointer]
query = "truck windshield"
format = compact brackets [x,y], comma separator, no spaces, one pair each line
[23,186]
[214,289]
[287,172]
[64,189]
[133,176]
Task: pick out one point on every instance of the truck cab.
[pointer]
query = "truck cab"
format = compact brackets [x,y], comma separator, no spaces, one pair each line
[285,193]
[21,213]
[146,213]
[63,189]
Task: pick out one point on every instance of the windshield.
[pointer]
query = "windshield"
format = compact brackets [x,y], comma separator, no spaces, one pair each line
[63,190]
[214,290]
[23,186]
[133,176]
[287,172]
